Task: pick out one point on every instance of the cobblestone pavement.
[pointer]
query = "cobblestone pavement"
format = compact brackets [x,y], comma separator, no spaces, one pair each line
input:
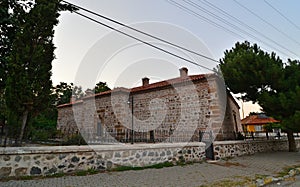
[189,175]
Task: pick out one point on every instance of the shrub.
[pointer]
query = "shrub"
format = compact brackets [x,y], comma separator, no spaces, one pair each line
[240,136]
[76,139]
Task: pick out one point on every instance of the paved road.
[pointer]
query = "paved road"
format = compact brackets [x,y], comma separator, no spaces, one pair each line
[236,169]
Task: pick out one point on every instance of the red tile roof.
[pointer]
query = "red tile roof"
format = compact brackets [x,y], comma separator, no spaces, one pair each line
[258,120]
[170,82]
[147,87]
[71,103]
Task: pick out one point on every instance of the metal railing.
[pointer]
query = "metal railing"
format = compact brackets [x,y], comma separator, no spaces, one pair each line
[155,136]
[261,135]
[125,136]
[12,142]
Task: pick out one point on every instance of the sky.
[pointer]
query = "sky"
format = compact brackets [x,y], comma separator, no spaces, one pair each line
[88,52]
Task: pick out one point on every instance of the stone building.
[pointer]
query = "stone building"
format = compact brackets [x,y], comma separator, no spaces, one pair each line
[172,110]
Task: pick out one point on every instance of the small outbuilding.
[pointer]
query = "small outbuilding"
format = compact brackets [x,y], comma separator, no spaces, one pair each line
[256,122]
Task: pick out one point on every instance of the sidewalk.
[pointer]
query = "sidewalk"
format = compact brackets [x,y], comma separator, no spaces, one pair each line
[235,169]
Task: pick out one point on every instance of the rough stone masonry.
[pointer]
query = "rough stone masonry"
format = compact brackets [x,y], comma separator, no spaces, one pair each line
[174,109]
[36,161]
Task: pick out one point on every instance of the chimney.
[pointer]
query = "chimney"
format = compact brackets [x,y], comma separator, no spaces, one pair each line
[183,72]
[145,81]
[73,99]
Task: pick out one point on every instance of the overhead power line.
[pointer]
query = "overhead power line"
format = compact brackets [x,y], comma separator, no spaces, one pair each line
[142,32]
[229,23]
[216,17]
[290,21]
[268,23]
[243,24]
[204,18]
[146,43]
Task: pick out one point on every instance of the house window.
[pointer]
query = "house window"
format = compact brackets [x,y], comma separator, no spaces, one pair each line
[258,128]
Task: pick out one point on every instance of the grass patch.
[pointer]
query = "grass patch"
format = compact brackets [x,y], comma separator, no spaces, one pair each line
[241,181]
[56,175]
[126,168]
[285,171]
[92,171]
[155,166]
[81,173]
[89,171]
[160,165]
[259,176]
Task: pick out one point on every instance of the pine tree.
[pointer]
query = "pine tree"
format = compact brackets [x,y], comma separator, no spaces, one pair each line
[262,77]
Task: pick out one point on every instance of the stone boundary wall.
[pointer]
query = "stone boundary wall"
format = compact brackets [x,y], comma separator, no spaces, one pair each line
[35,161]
[225,149]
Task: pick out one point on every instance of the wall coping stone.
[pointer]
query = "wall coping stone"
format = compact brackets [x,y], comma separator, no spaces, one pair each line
[92,148]
[245,141]
[249,141]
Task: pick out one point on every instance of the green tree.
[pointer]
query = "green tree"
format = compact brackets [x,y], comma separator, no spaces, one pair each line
[8,28]
[65,91]
[262,77]
[43,126]
[7,34]
[100,87]
[2,112]
[28,60]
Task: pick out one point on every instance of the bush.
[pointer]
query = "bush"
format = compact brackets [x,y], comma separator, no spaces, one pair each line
[240,136]
[41,128]
[43,134]
[76,139]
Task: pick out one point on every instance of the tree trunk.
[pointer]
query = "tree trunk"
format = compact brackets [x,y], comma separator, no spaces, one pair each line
[24,121]
[291,139]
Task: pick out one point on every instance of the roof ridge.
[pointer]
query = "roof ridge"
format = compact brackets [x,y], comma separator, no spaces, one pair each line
[154,85]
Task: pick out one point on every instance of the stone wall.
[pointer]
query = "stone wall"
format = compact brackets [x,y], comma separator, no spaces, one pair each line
[22,161]
[67,121]
[225,149]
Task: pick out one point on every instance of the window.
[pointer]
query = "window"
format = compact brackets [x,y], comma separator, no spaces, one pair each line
[258,128]
[99,129]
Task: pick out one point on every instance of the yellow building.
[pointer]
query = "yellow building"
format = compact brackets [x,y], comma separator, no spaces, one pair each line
[256,123]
